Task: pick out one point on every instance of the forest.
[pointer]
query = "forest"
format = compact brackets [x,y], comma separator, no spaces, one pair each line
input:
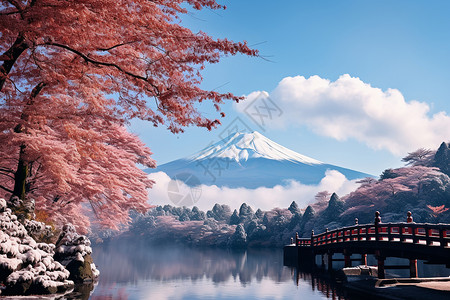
[422,186]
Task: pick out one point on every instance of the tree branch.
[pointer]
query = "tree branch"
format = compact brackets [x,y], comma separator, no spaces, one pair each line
[7,175]
[6,189]
[10,57]
[96,62]
[115,46]
[6,170]
[9,13]
[17,5]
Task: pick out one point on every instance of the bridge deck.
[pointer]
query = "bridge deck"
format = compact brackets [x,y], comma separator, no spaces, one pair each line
[429,242]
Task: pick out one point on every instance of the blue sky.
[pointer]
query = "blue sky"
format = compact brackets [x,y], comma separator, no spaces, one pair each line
[400,45]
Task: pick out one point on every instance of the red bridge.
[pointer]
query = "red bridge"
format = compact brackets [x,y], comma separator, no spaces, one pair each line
[413,241]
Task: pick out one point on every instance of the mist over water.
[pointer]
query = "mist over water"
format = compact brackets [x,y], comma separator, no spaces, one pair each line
[136,270]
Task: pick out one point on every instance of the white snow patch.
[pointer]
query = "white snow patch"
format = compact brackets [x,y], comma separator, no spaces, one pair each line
[244,146]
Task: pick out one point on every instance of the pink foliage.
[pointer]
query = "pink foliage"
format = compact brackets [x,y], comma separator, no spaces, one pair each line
[437,209]
[374,193]
[73,74]
[322,199]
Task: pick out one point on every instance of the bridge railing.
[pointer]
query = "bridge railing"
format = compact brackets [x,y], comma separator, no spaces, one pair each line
[437,235]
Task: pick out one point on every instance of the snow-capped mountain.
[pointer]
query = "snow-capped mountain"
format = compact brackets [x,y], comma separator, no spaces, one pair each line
[240,147]
[250,160]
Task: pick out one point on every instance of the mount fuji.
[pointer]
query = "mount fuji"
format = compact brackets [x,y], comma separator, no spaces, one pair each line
[249,160]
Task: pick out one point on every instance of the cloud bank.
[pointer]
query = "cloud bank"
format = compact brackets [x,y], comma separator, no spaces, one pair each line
[348,108]
[263,198]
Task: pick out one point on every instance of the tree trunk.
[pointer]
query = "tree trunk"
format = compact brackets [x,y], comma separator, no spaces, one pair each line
[20,177]
[24,209]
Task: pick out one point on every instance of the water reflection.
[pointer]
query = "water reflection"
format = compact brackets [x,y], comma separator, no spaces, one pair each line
[134,262]
[321,282]
[136,270]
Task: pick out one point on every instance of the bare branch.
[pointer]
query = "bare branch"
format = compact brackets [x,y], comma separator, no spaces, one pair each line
[6,170]
[115,46]
[96,62]
[9,13]
[7,175]
[6,189]
[17,5]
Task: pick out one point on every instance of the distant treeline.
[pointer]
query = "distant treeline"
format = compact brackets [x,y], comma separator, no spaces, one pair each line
[422,187]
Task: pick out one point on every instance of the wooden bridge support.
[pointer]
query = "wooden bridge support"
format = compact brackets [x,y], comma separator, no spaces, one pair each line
[413,268]
[381,272]
[347,261]
[330,261]
[364,259]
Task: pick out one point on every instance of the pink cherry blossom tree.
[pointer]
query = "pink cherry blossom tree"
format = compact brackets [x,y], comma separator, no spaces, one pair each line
[72,74]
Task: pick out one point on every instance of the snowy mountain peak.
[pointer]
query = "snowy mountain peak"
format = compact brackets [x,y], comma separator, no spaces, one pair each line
[244,146]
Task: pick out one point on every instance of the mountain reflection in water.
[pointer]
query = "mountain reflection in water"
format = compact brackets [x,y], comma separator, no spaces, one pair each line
[136,270]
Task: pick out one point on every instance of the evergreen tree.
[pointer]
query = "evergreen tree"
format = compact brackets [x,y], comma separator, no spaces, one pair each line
[259,213]
[197,215]
[307,216]
[293,208]
[295,220]
[245,213]
[334,209]
[239,238]
[442,158]
[234,219]
[388,174]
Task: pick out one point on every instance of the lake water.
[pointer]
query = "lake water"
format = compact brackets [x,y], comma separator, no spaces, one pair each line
[142,271]
[137,270]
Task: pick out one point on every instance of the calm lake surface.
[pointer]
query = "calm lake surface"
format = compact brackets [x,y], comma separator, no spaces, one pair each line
[138,270]
[143,271]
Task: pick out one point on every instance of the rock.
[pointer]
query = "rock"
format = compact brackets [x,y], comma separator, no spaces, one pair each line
[81,271]
[361,272]
[18,288]
[74,252]
[39,289]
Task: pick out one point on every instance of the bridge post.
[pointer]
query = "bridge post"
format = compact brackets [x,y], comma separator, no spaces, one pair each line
[377,223]
[381,271]
[330,261]
[358,230]
[364,259]
[347,259]
[428,233]
[414,237]
[409,217]
[313,254]
[296,239]
[380,259]
[442,241]
[413,268]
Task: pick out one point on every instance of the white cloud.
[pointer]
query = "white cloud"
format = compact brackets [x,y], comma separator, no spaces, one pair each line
[348,108]
[263,198]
